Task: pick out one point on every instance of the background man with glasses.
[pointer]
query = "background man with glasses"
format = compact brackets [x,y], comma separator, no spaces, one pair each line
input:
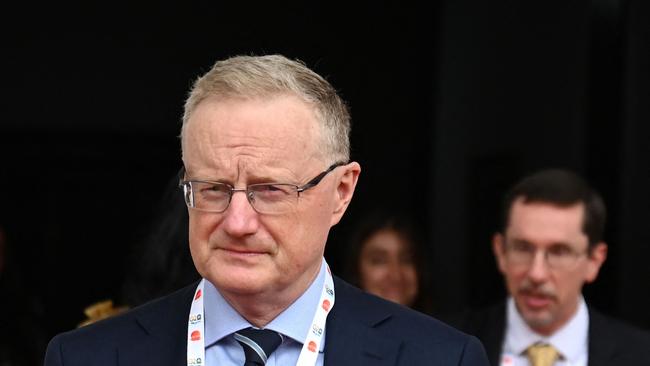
[265,145]
[549,246]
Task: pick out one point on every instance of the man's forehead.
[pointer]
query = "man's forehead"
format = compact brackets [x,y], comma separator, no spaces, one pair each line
[545,220]
[283,121]
[283,125]
[525,207]
[285,106]
[251,171]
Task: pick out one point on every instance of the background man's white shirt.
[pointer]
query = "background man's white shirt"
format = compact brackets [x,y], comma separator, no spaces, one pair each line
[571,340]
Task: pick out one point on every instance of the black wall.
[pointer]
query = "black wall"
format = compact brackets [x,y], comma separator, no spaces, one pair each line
[451,103]
[529,86]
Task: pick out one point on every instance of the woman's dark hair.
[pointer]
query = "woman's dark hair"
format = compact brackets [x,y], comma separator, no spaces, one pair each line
[404,226]
[161,262]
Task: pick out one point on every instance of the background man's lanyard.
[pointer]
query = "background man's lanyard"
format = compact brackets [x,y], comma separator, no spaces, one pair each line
[309,352]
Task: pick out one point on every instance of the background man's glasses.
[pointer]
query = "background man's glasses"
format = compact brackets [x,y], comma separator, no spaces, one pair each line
[556,256]
[266,198]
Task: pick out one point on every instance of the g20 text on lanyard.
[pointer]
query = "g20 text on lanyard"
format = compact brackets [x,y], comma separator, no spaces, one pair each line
[309,352]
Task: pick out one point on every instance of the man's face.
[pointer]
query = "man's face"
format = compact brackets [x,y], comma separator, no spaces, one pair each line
[248,141]
[547,297]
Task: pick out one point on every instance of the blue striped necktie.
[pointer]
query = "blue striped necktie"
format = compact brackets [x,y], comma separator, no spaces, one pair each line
[258,344]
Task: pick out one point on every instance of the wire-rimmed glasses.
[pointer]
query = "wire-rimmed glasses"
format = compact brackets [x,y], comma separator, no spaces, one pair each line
[558,256]
[266,198]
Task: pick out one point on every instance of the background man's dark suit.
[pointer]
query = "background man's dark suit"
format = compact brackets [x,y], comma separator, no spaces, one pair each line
[611,342]
[360,330]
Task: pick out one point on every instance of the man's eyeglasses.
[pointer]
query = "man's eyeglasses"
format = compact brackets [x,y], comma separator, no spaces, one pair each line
[266,198]
[557,256]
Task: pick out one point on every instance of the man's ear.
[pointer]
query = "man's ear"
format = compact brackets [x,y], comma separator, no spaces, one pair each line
[344,190]
[596,258]
[498,248]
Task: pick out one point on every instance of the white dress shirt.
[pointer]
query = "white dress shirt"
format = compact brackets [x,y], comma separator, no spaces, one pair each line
[571,340]
[221,321]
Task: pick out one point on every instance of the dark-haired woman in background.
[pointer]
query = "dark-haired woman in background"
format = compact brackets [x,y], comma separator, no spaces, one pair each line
[387,260]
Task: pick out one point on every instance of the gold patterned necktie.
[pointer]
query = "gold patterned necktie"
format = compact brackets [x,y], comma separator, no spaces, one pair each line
[540,354]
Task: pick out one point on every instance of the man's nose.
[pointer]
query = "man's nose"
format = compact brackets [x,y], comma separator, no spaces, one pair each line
[240,218]
[539,270]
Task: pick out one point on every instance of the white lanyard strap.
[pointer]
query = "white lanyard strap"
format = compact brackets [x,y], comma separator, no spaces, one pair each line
[196,330]
[309,352]
[310,348]
[507,359]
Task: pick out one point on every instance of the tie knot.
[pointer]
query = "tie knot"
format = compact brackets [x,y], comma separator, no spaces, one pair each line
[541,354]
[258,344]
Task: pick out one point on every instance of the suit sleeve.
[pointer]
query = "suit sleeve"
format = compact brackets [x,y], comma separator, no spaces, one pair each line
[53,355]
[474,353]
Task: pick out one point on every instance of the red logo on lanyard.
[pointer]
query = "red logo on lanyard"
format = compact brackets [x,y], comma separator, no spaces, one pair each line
[195,336]
[198,295]
[326,305]
[311,346]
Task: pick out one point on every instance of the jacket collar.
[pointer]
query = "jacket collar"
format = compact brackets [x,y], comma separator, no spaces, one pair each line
[352,334]
[163,328]
[602,349]
[352,337]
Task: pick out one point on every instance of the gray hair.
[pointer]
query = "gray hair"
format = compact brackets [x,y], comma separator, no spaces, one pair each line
[271,75]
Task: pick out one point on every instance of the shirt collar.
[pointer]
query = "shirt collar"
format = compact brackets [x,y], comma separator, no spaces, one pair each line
[221,319]
[297,319]
[570,340]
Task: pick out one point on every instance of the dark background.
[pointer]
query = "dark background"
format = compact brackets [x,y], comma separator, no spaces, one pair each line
[451,103]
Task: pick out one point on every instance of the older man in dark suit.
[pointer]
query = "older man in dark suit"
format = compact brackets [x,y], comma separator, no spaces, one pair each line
[265,145]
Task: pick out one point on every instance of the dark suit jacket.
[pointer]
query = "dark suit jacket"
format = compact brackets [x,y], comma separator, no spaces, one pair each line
[611,342]
[361,330]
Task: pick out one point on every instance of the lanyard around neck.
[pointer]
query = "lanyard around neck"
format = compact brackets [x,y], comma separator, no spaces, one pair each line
[310,348]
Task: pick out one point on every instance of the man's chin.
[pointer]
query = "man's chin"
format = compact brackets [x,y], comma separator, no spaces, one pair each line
[535,310]
[239,283]
[538,320]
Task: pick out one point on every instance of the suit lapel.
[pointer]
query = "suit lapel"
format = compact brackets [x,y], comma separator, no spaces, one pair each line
[488,325]
[351,337]
[351,334]
[162,340]
[494,332]
[601,350]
